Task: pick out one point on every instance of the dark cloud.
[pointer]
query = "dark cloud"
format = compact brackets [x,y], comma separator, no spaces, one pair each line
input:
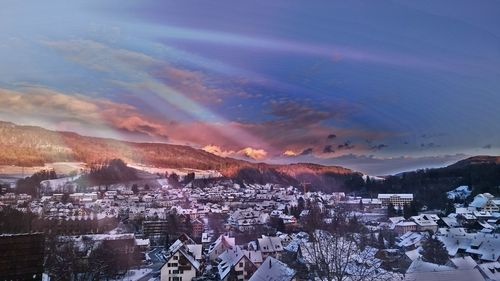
[331,136]
[295,114]
[307,151]
[345,146]
[436,135]
[488,146]
[429,145]
[379,146]
[328,149]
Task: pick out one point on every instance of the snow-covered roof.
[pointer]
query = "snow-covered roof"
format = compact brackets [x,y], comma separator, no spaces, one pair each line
[419,265]
[400,195]
[491,270]
[463,262]
[413,254]
[411,238]
[450,275]
[273,270]
[178,246]
[195,250]
[482,244]
[270,244]
[223,240]
[480,200]
[229,258]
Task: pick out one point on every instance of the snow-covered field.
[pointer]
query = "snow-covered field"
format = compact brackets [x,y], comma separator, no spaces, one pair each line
[199,174]
[59,167]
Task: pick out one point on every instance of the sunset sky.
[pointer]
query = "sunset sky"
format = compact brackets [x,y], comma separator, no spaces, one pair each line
[378,86]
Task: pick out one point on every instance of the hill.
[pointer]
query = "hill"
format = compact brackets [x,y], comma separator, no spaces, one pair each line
[31,145]
[482,173]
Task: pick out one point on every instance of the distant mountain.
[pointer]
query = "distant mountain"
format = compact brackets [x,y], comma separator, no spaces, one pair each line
[476,160]
[30,146]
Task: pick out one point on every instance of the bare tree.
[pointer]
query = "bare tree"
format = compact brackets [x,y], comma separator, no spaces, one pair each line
[337,257]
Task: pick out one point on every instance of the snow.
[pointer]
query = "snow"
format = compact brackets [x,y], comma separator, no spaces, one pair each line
[460,192]
[273,270]
[135,274]
[199,174]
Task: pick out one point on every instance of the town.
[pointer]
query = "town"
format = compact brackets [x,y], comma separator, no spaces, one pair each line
[184,226]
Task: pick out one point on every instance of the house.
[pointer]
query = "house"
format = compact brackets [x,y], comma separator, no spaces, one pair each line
[197,228]
[181,263]
[246,220]
[411,240]
[236,264]
[405,226]
[219,246]
[481,246]
[273,270]
[270,246]
[426,222]
[486,202]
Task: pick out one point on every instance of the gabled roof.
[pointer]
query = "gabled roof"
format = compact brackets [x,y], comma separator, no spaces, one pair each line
[226,241]
[270,244]
[273,270]
[230,258]
[463,262]
[178,246]
[491,270]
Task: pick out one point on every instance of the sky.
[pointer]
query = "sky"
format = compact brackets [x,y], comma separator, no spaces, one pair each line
[377,86]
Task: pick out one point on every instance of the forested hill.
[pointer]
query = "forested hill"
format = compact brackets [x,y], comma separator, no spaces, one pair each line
[31,146]
[429,186]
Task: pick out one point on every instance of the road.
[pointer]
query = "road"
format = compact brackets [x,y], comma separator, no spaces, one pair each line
[157,262]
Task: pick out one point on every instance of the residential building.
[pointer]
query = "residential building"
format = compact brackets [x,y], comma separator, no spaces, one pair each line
[220,245]
[397,199]
[181,264]
[234,263]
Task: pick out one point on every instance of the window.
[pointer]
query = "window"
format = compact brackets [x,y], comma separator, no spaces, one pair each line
[241,264]
[176,257]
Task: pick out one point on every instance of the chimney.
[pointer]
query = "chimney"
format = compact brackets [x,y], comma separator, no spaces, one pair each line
[270,264]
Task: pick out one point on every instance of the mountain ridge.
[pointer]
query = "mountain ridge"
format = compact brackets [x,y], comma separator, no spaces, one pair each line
[32,145]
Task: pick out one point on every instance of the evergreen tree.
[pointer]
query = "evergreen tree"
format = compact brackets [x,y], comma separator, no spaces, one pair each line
[135,188]
[373,240]
[434,251]
[407,211]
[391,211]
[363,240]
[381,243]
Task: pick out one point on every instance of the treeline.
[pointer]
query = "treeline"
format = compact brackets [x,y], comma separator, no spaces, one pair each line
[108,172]
[14,221]
[429,186]
[30,185]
